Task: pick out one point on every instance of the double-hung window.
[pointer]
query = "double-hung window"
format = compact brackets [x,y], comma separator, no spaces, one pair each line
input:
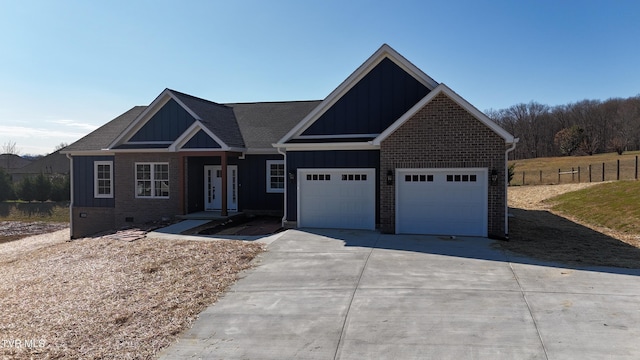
[103,179]
[152,180]
[275,176]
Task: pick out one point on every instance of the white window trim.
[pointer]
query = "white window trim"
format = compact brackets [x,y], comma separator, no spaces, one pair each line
[95,180]
[269,188]
[153,180]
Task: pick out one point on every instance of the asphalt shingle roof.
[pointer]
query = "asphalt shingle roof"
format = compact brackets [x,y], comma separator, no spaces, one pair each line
[102,137]
[263,124]
[244,125]
[218,118]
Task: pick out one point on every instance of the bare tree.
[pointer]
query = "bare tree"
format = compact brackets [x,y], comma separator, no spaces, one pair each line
[10,148]
[60,146]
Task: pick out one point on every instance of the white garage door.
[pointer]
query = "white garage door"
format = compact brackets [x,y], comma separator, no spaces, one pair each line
[441,201]
[337,198]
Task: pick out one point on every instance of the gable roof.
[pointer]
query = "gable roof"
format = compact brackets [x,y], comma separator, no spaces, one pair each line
[384,52]
[216,119]
[103,136]
[243,126]
[444,89]
[54,163]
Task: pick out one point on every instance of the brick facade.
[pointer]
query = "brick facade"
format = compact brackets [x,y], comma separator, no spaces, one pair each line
[444,135]
[91,220]
[141,210]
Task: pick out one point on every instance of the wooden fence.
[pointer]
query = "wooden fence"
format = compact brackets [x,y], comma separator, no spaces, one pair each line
[606,171]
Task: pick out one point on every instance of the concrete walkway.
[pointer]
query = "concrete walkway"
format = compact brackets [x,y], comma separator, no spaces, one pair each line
[331,294]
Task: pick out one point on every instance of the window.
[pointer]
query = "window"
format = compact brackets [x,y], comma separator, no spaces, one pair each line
[275,176]
[103,179]
[152,180]
[354,177]
[462,178]
[418,178]
[318,177]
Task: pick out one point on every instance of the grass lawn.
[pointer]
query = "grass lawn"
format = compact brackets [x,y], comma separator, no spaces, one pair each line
[549,167]
[34,211]
[614,205]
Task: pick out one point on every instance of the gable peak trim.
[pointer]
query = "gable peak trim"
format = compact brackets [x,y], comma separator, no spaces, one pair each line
[155,106]
[384,52]
[444,89]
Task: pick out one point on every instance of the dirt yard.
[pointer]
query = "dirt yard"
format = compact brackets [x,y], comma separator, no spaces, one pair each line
[107,298]
[536,231]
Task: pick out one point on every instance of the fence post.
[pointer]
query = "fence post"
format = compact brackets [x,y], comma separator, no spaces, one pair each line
[523,178]
[558,176]
[602,171]
[636,167]
[541,173]
[618,171]
[573,175]
[578,173]
[589,172]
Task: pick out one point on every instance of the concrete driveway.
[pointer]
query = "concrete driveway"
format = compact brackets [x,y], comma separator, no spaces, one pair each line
[340,294]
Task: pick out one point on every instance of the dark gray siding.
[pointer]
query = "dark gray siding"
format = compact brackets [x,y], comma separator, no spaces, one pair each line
[83,182]
[202,141]
[328,159]
[252,183]
[373,104]
[166,125]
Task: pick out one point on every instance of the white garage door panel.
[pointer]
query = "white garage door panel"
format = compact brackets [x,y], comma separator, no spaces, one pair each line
[441,201]
[336,198]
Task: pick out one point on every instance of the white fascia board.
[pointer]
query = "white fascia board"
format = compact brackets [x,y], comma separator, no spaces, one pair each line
[89,153]
[442,88]
[266,151]
[191,131]
[147,114]
[163,150]
[385,51]
[328,146]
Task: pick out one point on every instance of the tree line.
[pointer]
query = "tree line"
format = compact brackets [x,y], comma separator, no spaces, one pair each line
[38,188]
[582,128]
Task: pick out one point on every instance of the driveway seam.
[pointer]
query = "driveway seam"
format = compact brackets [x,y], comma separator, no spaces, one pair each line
[535,323]
[353,295]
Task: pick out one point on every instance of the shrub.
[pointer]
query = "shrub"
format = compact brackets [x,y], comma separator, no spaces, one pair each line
[25,190]
[6,186]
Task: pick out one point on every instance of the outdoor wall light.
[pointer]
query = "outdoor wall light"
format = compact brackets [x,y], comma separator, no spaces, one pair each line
[494,176]
[292,176]
[389,177]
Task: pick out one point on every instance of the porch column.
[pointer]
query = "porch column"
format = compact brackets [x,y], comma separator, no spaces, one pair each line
[223,165]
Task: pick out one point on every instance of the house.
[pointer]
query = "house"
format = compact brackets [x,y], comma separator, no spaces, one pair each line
[52,165]
[388,149]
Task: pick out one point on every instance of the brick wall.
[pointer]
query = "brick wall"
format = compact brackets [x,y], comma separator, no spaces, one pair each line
[93,220]
[443,135]
[144,209]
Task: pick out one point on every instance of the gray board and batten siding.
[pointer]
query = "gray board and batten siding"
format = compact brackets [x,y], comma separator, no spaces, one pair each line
[373,104]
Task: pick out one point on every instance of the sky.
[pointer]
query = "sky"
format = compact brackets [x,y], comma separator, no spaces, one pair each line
[68,67]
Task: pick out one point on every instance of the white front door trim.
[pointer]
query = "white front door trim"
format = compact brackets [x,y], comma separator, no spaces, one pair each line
[213,187]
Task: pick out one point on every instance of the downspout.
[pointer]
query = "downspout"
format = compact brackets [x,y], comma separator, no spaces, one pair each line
[286,185]
[506,182]
[70,195]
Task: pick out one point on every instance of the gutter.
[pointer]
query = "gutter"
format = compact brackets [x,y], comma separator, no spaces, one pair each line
[70,194]
[506,182]
[286,184]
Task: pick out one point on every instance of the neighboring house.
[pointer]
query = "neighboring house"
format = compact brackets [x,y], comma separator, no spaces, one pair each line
[52,165]
[389,148]
[12,163]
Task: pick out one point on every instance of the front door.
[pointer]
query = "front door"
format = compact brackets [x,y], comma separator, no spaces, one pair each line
[213,187]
